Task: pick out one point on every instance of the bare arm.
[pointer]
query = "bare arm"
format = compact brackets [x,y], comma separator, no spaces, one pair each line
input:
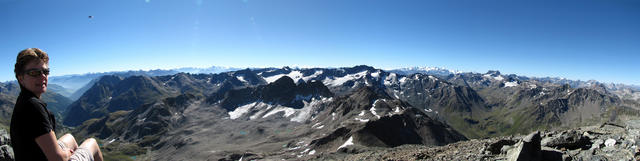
[49,146]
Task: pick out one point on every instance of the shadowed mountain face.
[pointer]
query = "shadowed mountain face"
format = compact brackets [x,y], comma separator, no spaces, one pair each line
[114,93]
[8,95]
[6,108]
[145,125]
[369,117]
[281,92]
[283,111]
[519,104]
[73,86]
[57,104]
[93,103]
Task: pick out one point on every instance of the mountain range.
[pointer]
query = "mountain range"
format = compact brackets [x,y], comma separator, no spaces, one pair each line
[73,86]
[294,113]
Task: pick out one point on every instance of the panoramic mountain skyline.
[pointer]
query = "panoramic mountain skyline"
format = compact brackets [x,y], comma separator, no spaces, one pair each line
[331,109]
[578,40]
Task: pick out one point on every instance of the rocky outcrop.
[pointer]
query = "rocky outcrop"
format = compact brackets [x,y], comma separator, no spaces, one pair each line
[606,142]
[528,149]
[6,152]
[567,140]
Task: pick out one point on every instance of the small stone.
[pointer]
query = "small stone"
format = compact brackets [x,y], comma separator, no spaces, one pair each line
[566,157]
[628,144]
[495,148]
[505,149]
[617,137]
[633,124]
[634,133]
[609,142]
[596,144]
[592,151]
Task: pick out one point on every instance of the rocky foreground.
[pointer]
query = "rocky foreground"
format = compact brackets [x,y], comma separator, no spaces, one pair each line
[605,142]
[6,152]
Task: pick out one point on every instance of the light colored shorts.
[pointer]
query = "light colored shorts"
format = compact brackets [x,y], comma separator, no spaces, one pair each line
[80,154]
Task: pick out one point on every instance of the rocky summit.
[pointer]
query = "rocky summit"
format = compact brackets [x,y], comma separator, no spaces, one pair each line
[605,142]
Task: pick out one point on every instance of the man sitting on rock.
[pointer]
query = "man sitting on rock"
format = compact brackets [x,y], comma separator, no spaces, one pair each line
[32,125]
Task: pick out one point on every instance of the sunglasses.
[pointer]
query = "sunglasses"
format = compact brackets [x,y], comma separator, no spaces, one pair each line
[37,72]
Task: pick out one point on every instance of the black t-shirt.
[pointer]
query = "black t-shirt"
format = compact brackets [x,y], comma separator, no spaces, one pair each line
[29,120]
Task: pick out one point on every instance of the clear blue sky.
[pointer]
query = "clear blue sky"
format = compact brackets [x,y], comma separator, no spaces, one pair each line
[575,39]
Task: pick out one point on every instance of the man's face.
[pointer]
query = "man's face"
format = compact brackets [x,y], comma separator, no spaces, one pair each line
[35,77]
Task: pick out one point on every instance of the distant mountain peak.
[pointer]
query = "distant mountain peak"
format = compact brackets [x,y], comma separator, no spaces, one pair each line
[433,69]
[493,72]
[364,67]
[438,71]
[286,68]
[284,81]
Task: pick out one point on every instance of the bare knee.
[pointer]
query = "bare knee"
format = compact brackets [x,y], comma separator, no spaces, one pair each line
[92,145]
[90,142]
[69,141]
[68,136]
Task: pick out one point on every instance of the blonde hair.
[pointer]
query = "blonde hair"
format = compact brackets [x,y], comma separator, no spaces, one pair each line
[27,55]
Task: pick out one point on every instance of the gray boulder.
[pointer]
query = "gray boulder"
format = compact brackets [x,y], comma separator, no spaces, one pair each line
[5,139]
[6,152]
[568,140]
[527,150]
[498,146]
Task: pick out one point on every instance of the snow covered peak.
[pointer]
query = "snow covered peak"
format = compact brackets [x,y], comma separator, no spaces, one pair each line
[493,73]
[490,76]
[212,69]
[336,81]
[511,84]
[296,75]
[426,70]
